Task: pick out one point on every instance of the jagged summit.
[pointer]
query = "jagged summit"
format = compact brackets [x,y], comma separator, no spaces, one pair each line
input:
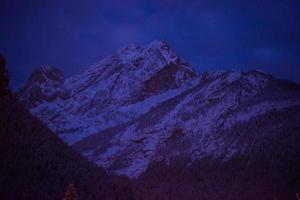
[45,84]
[155,48]
[123,76]
[158,44]
[155,44]
[46,74]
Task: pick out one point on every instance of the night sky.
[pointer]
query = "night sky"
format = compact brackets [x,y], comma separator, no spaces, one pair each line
[210,35]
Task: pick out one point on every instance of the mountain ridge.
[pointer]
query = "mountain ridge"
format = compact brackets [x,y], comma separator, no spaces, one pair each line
[107,84]
[123,110]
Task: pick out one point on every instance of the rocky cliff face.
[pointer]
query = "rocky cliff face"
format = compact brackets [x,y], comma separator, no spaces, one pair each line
[145,104]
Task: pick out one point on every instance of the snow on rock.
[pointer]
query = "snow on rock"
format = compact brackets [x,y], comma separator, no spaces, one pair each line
[188,123]
[144,103]
[116,89]
[44,85]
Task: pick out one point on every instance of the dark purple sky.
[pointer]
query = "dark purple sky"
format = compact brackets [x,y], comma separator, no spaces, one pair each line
[211,34]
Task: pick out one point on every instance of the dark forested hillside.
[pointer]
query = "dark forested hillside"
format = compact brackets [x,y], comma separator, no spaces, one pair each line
[269,168]
[36,164]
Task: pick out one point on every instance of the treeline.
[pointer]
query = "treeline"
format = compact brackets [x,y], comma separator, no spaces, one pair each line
[268,169]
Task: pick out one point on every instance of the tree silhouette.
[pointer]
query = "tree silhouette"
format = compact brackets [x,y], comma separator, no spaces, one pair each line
[71,193]
[4,79]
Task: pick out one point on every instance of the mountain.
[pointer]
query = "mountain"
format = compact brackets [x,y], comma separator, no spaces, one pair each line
[195,118]
[36,164]
[140,110]
[43,85]
[265,165]
[107,93]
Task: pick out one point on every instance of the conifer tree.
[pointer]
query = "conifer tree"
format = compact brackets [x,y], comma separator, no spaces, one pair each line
[71,193]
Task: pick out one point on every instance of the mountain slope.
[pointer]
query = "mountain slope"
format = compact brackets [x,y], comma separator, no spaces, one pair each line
[36,164]
[111,91]
[195,118]
[144,104]
[268,168]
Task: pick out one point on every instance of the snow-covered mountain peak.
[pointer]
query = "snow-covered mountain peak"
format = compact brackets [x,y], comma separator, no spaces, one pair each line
[163,48]
[157,44]
[46,74]
[129,48]
[45,84]
[131,67]
[153,50]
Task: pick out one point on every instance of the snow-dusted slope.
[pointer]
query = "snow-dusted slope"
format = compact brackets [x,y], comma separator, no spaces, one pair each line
[117,89]
[144,103]
[188,125]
